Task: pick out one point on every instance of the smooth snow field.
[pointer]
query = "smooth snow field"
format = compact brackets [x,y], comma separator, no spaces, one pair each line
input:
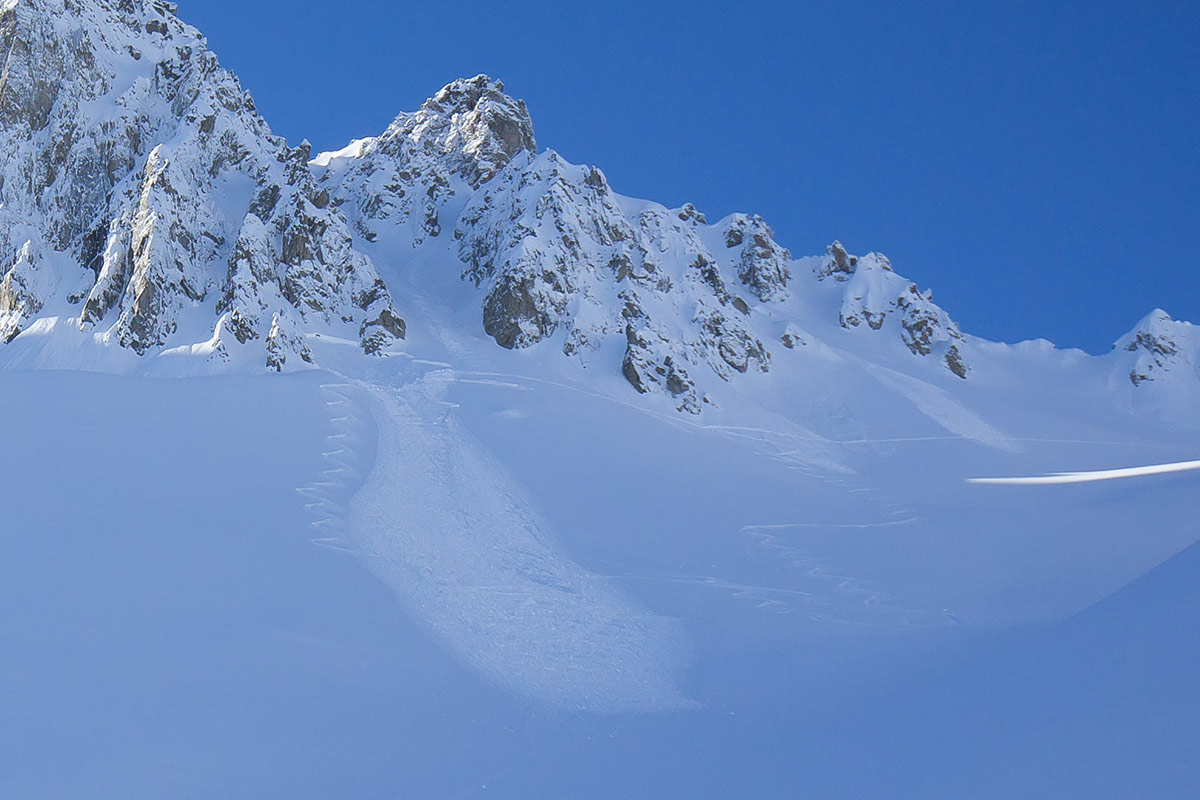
[454,583]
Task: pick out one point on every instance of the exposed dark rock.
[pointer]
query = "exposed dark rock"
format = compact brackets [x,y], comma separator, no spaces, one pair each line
[838,263]
[1158,343]
[689,214]
[762,264]
[955,362]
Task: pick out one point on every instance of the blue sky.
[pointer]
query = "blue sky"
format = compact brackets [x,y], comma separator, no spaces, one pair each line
[1037,167]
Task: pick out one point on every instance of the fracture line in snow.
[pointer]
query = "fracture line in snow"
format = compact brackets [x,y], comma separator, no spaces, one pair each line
[1089,477]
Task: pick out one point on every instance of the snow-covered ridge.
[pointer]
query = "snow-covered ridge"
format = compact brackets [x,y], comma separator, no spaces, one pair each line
[458,140]
[557,254]
[147,209]
[145,203]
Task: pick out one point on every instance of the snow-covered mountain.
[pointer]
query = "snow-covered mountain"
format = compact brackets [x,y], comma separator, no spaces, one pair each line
[145,202]
[636,503]
[147,206]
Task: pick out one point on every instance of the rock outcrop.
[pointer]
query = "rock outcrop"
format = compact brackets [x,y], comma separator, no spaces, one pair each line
[875,298]
[1161,347]
[555,250]
[762,265]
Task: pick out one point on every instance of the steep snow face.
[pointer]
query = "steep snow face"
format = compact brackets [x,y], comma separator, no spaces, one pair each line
[1156,368]
[145,201]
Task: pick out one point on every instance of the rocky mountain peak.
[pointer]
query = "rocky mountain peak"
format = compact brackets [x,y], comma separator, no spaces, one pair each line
[473,123]
[134,174]
[1161,346]
[457,141]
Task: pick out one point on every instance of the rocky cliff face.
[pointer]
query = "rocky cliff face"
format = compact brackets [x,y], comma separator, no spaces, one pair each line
[143,198]
[556,250]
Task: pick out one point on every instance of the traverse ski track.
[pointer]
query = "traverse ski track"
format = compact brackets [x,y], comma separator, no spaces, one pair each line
[825,593]
[440,522]
[941,408]
[805,451]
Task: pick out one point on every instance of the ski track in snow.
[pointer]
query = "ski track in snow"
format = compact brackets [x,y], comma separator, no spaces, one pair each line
[830,595]
[825,594]
[939,406]
[440,522]
[807,453]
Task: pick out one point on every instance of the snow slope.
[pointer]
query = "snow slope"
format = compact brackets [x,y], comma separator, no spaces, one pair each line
[628,504]
[211,594]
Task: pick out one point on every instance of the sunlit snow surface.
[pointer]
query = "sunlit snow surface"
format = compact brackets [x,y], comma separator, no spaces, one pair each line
[459,571]
[441,522]
[443,578]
